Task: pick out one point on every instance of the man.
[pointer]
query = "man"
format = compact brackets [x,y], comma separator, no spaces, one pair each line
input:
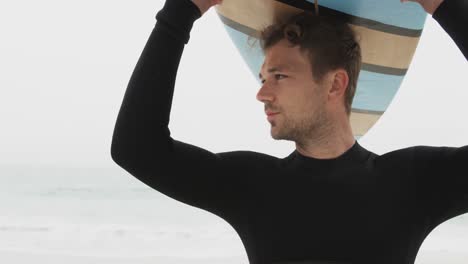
[329,201]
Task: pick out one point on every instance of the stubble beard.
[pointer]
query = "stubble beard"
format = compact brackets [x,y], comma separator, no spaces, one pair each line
[311,127]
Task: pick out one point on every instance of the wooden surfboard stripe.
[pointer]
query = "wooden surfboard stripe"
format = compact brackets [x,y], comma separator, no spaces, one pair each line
[365,66]
[372,42]
[369,59]
[361,122]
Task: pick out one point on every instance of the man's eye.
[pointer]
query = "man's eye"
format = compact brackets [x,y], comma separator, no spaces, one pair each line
[278,75]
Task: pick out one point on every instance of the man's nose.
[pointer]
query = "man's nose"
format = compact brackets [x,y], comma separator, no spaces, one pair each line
[265,93]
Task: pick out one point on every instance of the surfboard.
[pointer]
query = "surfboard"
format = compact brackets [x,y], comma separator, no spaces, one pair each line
[388,30]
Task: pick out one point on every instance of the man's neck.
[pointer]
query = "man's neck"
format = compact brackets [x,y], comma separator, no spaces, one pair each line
[331,144]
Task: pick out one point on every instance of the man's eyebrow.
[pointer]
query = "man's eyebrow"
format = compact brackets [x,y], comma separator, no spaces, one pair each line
[274,69]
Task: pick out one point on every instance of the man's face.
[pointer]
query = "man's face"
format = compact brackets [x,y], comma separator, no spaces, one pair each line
[289,89]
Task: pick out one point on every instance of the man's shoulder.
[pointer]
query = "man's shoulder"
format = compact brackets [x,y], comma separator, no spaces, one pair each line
[421,153]
[249,158]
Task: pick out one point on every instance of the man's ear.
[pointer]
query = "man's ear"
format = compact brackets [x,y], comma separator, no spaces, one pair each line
[339,82]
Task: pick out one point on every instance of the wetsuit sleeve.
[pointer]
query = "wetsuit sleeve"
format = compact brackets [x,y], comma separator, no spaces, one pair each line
[442,181]
[452,15]
[142,144]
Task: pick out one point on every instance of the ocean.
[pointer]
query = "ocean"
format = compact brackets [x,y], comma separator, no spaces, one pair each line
[58,215]
[105,215]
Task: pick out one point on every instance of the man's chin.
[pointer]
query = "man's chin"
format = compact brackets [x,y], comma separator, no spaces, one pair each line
[274,134]
[277,135]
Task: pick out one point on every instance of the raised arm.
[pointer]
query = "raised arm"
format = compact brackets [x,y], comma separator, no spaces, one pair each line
[442,181]
[452,15]
[141,142]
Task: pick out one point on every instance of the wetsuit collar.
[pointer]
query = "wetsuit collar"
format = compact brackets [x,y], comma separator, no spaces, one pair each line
[354,154]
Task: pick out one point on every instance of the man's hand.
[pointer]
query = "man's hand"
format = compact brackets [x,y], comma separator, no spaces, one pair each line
[429,5]
[204,5]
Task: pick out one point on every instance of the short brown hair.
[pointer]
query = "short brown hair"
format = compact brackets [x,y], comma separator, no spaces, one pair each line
[330,44]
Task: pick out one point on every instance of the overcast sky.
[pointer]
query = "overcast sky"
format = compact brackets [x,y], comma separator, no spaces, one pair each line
[65,66]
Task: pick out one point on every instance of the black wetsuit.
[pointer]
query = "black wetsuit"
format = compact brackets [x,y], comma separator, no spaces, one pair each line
[357,208]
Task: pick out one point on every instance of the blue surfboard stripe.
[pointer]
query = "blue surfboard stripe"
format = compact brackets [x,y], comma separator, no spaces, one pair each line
[375,91]
[353,17]
[392,12]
